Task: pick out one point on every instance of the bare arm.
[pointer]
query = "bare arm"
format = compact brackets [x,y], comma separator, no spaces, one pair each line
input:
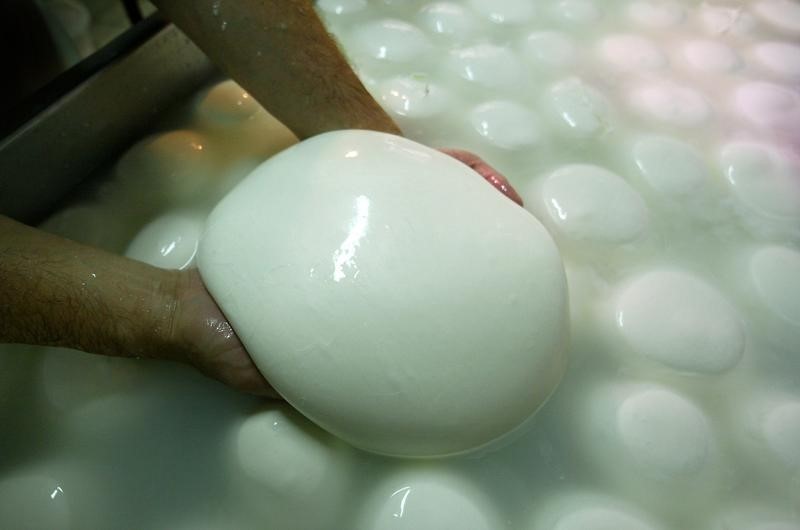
[57,292]
[281,53]
[61,293]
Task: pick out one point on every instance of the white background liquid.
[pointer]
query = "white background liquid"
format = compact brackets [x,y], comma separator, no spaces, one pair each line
[667,418]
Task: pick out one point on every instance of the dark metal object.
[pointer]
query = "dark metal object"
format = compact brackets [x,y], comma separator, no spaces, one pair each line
[93,112]
[133,10]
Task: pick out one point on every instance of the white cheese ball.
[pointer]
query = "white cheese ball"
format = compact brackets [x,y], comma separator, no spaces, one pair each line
[33,501]
[579,510]
[692,328]
[389,293]
[278,461]
[427,498]
[169,242]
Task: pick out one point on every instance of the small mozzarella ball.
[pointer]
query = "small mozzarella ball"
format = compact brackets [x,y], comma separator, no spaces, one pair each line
[672,104]
[743,514]
[35,501]
[448,19]
[665,434]
[506,124]
[95,224]
[710,56]
[632,52]
[782,58]
[414,96]
[782,14]
[56,492]
[204,522]
[169,242]
[658,14]
[692,328]
[427,498]
[70,379]
[21,399]
[258,138]
[666,441]
[781,430]
[576,11]
[580,511]
[240,128]
[389,40]
[589,203]
[301,461]
[769,105]
[96,416]
[279,460]
[176,168]
[226,103]
[762,179]
[394,5]
[670,166]
[486,65]
[341,7]
[578,109]
[767,428]
[504,11]
[665,438]
[775,272]
[549,49]
[721,20]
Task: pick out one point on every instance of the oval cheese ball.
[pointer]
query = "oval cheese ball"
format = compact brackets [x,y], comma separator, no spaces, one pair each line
[389,293]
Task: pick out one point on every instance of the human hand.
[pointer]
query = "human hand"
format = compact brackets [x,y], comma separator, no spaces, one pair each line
[57,292]
[490,174]
[202,337]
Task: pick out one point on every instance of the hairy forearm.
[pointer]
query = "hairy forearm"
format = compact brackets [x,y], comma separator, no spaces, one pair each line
[281,53]
[58,292]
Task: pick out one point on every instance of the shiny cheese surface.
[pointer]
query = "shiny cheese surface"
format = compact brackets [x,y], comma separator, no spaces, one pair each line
[377,283]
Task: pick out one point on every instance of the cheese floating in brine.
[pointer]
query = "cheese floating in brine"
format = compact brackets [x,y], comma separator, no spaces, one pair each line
[389,293]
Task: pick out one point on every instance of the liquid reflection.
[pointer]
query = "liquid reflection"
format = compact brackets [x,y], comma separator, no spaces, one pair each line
[403,493]
[169,247]
[410,152]
[344,256]
[560,211]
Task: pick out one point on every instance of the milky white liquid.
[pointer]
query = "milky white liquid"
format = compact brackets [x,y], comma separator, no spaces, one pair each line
[656,140]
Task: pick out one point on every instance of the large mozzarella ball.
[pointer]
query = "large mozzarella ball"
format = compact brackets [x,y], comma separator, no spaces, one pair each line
[389,293]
